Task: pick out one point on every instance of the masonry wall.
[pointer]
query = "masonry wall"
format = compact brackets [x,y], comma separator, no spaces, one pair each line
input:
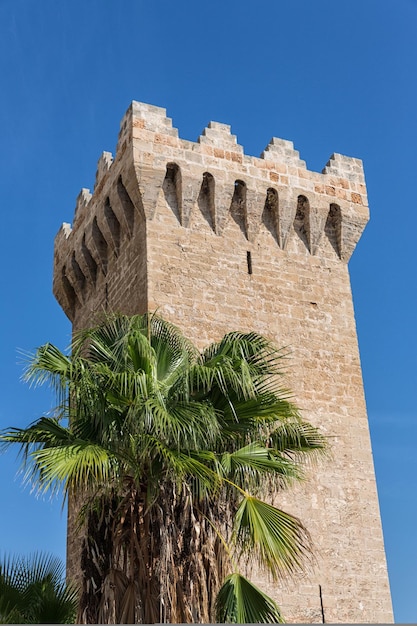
[216,241]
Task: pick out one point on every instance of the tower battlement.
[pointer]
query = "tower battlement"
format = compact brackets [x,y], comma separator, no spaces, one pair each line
[151,157]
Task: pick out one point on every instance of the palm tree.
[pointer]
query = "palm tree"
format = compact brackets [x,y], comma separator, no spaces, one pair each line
[172,451]
[33,591]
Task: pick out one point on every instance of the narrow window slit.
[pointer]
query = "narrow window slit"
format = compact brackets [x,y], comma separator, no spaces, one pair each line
[249,261]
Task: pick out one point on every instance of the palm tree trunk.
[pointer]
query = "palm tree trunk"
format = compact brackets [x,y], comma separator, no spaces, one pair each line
[158,564]
[96,557]
[192,560]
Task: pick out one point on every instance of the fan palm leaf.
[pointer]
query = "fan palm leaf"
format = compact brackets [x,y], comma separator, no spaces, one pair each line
[240,602]
[277,539]
[33,591]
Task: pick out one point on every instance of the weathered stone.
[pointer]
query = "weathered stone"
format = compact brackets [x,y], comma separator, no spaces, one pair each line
[167,232]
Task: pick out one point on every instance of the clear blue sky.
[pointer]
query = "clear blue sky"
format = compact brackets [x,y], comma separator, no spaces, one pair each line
[332,76]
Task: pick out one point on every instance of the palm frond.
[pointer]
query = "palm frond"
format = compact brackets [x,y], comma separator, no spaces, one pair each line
[161,329]
[47,364]
[279,541]
[74,466]
[240,602]
[196,425]
[179,466]
[252,416]
[258,351]
[33,590]
[249,466]
[297,438]
[45,432]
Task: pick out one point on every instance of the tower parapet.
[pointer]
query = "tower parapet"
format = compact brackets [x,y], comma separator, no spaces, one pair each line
[150,154]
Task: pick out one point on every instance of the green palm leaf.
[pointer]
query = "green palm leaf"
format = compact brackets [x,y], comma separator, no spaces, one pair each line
[296,438]
[248,466]
[277,539]
[241,602]
[33,591]
[77,465]
[178,465]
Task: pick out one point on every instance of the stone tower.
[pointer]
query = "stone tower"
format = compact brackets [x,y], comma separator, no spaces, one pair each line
[216,240]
